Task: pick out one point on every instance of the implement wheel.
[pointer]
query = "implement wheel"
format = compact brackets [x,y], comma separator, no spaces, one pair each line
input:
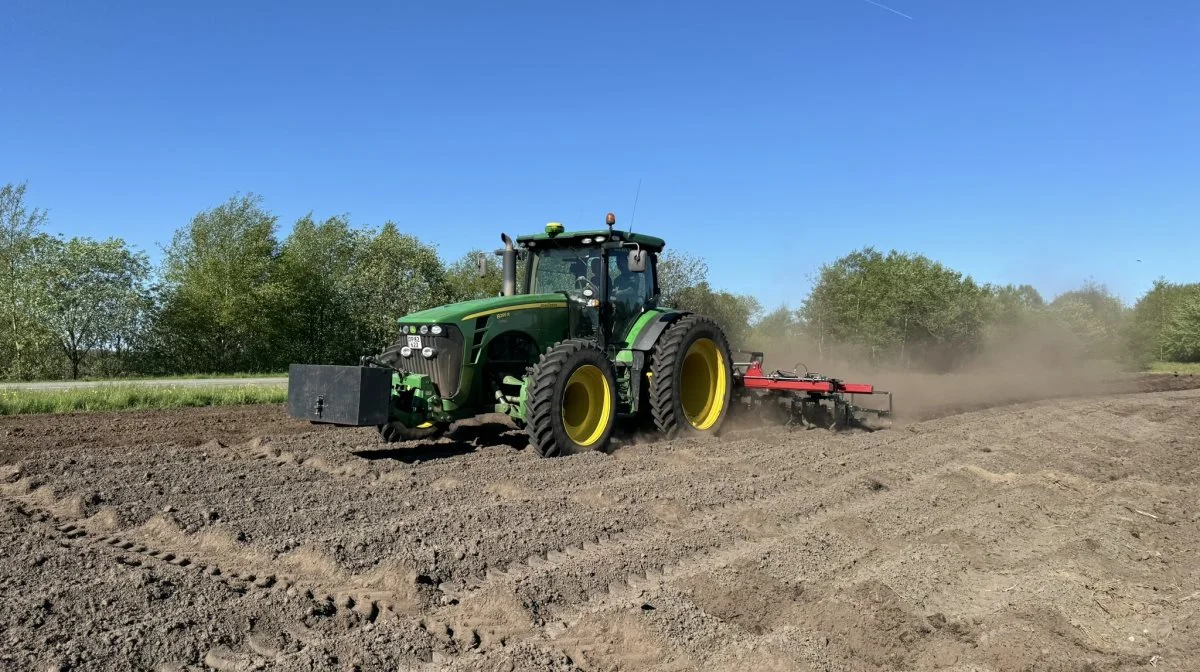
[394,431]
[572,400]
[691,378]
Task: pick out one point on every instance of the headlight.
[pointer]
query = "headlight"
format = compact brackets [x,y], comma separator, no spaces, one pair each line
[436,330]
[424,328]
[427,352]
[586,241]
[599,239]
[406,351]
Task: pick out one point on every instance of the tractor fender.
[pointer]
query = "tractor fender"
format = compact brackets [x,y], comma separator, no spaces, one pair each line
[643,343]
[649,335]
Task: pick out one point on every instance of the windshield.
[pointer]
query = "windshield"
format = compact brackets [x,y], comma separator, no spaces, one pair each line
[560,270]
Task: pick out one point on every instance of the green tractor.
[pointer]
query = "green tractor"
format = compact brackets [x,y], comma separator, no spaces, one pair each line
[568,349]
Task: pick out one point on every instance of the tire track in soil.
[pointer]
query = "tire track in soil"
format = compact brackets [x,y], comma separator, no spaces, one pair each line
[132,548]
[123,551]
[167,551]
[634,485]
[645,478]
[130,555]
[719,535]
[844,520]
[635,585]
[133,554]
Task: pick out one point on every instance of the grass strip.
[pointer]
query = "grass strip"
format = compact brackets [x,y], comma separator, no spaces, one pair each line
[123,396]
[233,377]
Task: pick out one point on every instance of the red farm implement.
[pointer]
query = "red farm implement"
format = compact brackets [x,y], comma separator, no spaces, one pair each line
[807,399]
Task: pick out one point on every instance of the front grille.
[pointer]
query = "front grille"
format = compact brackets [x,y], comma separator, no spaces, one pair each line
[444,370]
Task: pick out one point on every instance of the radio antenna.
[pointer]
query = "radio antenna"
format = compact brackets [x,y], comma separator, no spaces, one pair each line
[635,202]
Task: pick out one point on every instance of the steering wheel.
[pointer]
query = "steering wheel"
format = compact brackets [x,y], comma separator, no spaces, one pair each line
[582,283]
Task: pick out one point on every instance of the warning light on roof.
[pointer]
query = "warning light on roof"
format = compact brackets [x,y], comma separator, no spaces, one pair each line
[610,219]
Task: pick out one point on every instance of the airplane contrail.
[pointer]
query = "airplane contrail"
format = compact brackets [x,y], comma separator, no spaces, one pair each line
[894,11]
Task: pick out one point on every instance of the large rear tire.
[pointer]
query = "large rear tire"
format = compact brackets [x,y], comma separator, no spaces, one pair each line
[691,378]
[572,400]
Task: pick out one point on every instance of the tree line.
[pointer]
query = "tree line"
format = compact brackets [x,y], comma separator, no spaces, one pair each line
[905,310]
[230,295]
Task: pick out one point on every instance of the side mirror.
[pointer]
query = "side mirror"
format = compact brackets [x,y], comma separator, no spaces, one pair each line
[481,261]
[637,261]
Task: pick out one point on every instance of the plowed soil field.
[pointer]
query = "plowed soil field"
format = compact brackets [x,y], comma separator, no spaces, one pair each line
[1060,534]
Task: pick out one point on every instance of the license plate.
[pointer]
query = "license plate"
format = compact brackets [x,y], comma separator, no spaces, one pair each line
[414,342]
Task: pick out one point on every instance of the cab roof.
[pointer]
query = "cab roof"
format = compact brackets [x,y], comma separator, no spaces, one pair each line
[568,238]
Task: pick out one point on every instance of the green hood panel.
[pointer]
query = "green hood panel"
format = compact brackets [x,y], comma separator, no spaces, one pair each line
[469,310]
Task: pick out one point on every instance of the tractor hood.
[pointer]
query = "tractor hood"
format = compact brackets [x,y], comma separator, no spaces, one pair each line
[470,310]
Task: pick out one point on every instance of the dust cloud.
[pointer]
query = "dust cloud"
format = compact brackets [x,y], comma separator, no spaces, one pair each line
[1036,365]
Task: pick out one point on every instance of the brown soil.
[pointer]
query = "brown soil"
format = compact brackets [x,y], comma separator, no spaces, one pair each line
[1051,535]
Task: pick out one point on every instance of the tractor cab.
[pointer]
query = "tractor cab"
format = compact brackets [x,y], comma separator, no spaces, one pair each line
[608,276]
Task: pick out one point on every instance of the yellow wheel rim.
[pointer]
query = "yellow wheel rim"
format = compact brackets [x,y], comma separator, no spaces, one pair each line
[425,425]
[587,405]
[703,383]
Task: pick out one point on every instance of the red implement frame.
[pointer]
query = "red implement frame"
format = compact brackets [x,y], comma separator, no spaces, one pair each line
[754,379]
[804,394]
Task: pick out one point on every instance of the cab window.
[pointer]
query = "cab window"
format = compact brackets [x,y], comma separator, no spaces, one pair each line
[628,293]
[624,285]
[560,270]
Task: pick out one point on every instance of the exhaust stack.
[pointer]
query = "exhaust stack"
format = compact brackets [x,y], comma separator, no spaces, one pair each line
[509,286]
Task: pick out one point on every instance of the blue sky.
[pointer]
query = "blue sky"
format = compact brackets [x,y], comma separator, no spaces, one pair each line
[1017,141]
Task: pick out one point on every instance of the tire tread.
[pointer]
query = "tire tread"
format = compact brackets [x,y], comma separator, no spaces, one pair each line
[539,418]
[664,407]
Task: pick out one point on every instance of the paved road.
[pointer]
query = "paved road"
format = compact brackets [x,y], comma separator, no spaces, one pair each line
[176,382]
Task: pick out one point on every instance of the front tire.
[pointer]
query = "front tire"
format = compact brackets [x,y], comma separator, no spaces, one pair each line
[691,378]
[572,402]
[394,431]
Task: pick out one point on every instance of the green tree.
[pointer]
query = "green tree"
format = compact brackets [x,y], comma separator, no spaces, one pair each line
[26,346]
[1012,311]
[462,277]
[317,268]
[676,272]
[1151,316]
[733,312]
[95,287]
[221,301]
[131,325]
[1094,317]
[776,327]
[901,307]
[683,285]
[1181,334]
[399,275]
